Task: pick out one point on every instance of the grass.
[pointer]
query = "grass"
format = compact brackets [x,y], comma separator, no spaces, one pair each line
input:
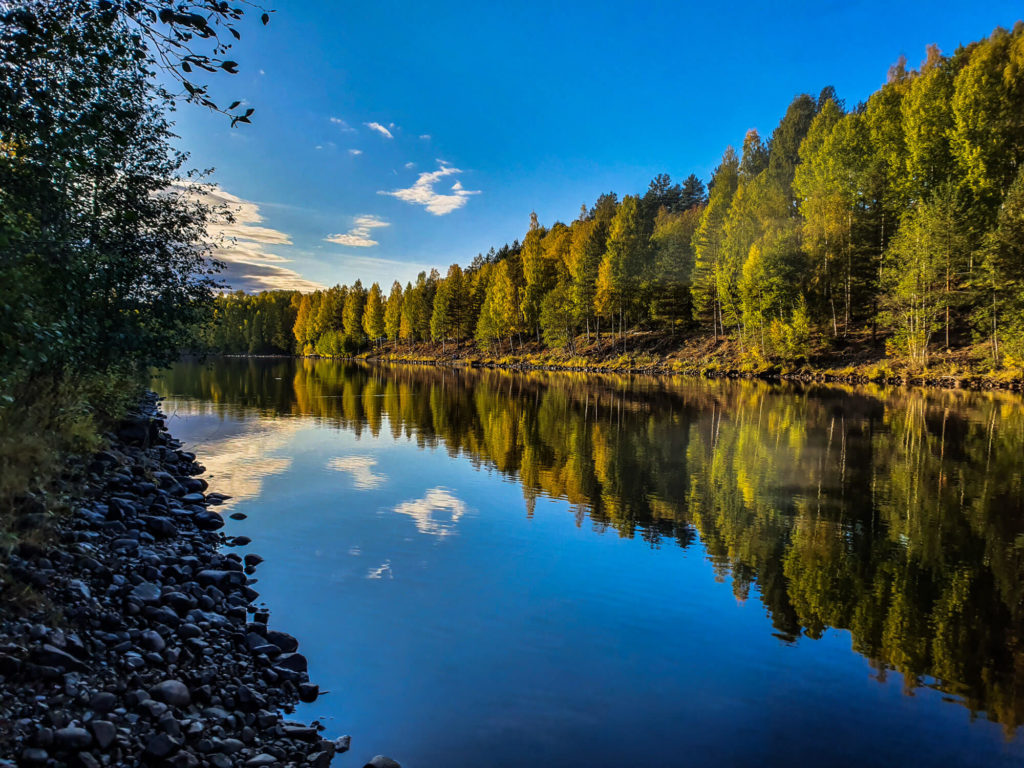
[48,426]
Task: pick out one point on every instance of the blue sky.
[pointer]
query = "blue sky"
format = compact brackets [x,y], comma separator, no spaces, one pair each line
[391,137]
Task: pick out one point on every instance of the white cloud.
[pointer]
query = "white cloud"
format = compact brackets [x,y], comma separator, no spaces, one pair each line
[423,193]
[359,235]
[342,125]
[410,164]
[380,129]
[355,152]
[361,469]
[240,241]
[425,136]
[423,512]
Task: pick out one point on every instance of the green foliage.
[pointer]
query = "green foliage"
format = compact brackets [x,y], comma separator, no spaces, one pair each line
[899,216]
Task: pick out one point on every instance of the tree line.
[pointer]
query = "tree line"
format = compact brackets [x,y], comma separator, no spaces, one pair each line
[899,218]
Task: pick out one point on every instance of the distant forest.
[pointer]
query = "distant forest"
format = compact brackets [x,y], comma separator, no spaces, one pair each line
[902,216]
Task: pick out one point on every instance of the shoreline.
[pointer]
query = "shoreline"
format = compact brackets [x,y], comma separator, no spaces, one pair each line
[130,636]
[852,375]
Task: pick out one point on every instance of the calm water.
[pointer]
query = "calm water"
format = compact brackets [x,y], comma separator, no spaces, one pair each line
[494,569]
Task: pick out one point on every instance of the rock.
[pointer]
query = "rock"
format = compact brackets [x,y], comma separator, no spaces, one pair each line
[221,579]
[261,760]
[238,515]
[51,656]
[252,559]
[146,592]
[161,746]
[309,692]
[208,520]
[296,662]
[102,702]
[34,756]
[282,640]
[104,732]
[301,732]
[152,641]
[71,739]
[382,761]
[342,744]
[173,692]
[193,498]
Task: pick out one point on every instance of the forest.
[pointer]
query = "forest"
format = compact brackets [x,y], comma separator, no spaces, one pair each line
[900,218]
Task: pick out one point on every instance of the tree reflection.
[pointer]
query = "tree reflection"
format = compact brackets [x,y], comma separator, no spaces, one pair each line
[896,515]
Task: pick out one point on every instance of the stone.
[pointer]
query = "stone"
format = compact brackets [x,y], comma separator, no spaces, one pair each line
[208,520]
[282,640]
[152,641]
[296,662]
[102,702]
[71,738]
[162,745]
[342,744]
[173,692]
[104,732]
[308,692]
[261,760]
[51,656]
[383,761]
[146,592]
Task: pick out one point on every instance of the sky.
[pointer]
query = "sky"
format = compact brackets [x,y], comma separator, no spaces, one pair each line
[392,137]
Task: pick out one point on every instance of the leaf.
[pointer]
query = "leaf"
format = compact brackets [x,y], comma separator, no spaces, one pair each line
[265,18]
[230,67]
[236,33]
[234,104]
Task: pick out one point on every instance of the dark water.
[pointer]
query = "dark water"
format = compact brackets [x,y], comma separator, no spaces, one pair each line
[493,569]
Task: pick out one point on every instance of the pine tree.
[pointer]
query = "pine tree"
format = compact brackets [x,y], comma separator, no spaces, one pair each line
[393,312]
[373,314]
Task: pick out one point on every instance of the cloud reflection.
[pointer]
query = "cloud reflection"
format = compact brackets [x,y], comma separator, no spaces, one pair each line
[428,511]
[361,469]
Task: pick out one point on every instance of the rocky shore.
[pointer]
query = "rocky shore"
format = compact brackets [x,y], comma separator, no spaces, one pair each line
[144,646]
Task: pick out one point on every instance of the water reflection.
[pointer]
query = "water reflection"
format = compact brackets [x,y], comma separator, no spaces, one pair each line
[895,515]
[429,512]
[361,470]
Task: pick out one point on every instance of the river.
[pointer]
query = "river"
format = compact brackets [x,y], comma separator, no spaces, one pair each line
[488,568]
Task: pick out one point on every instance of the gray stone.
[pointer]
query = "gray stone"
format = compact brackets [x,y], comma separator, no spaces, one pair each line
[71,738]
[296,662]
[104,732]
[383,761]
[208,520]
[162,745]
[173,692]
[152,641]
[103,702]
[261,760]
[146,592]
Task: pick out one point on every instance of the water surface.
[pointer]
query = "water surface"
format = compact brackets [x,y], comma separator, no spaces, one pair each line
[499,569]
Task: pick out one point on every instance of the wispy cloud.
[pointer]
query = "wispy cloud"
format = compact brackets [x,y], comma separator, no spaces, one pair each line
[380,129]
[355,151]
[410,164]
[359,235]
[361,469]
[342,125]
[240,242]
[425,136]
[437,500]
[423,192]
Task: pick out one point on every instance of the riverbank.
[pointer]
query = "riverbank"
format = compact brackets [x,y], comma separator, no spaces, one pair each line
[129,635]
[852,361]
